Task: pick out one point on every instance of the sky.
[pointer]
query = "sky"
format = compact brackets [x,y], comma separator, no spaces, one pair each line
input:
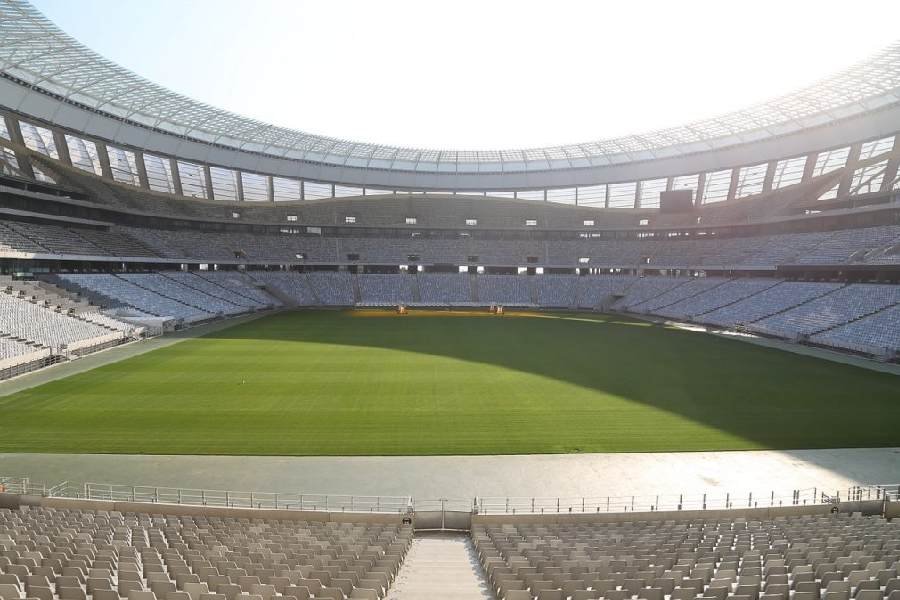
[480,74]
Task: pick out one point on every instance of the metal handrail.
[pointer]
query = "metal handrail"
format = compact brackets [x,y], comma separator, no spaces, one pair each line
[485,505]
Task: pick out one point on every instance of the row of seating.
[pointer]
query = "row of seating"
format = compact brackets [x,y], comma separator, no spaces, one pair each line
[53,554]
[834,557]
[874,245]
[849,316]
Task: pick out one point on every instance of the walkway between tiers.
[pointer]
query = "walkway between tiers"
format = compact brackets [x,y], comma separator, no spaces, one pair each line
[440,566]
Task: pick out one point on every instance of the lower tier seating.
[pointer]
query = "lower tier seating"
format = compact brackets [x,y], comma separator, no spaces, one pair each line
[75,555]
[834,557]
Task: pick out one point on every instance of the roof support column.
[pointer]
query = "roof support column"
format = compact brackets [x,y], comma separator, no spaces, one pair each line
[847,177]
[62,147]
[809,167]
[15,134]
[637,194]
[239,185]
[735,179]
[606,198]
[270,188]
[143,180]
[770,176]
[176,177]
[210,194]
[890,171]
[103,155]
[302,190]
[701,183]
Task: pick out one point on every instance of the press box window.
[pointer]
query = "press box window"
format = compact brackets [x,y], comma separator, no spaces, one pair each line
[411,220]
[584,260]
[412,258]
[235,215]
[350,220]
[353,256]
[472,258]
[292,218]
[471,222]
[531,259]
[530,222]
[588,222]
[644,222]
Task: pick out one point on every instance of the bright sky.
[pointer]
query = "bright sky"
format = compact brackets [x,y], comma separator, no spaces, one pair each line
[479,74]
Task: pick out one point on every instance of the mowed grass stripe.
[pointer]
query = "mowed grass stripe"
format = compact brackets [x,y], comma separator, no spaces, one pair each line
[328,383]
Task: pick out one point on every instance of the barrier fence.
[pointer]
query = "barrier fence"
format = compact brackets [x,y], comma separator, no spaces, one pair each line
[479,505]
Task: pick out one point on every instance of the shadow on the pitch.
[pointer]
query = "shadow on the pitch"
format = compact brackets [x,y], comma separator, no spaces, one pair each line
[772,398]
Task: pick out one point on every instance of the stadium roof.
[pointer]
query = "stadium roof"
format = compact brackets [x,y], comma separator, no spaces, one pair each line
[36,52]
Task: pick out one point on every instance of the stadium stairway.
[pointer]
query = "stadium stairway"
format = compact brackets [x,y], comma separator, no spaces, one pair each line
[440,566]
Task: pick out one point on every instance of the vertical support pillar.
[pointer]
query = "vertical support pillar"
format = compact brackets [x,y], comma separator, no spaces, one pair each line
[210,194]
[332,190]
[62,147]
[239,185]
[701,183]
[809,166]
[606,198]
[576,195]
[15,134]
[890,171]
[302,190]
[143,180]
[103,154]
[637,194]
[732,187]
[847,177]
[176,177]
[270,188]
[770,176]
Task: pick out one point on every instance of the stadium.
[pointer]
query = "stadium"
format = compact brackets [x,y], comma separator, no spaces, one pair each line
[240,361]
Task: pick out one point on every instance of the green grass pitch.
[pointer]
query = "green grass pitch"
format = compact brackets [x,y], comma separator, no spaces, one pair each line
[343,383]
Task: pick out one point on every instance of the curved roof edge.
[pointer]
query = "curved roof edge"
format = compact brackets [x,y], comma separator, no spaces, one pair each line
[35,51]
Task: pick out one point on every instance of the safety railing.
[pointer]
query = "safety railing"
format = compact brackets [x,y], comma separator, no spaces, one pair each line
[480,505]
[675,502]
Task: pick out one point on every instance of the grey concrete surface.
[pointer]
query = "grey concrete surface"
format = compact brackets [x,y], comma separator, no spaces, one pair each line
[430,477]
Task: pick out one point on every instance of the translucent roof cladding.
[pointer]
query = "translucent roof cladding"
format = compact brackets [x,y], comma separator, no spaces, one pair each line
[34,50]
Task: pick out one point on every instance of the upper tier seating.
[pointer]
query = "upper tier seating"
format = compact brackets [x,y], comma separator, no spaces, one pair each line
[787,558]
[874,245]
[75,555]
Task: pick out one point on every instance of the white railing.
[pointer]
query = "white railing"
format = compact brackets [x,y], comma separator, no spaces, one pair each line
[480,505]
[675,502]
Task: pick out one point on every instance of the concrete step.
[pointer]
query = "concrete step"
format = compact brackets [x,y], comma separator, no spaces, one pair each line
[440,566]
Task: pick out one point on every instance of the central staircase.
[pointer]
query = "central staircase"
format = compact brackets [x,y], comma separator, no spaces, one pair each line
[440,566]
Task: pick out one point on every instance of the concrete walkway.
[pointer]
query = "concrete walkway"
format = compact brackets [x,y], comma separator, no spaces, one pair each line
[462,477]
[440,567]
